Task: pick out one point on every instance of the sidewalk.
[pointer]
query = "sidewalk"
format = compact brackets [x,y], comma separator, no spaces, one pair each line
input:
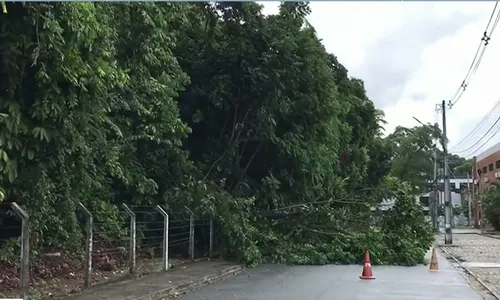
[478,253]
[161,285]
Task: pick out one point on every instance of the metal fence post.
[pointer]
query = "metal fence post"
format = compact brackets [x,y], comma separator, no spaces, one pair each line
[132,238]
[25,250]
[165,264]
[88,246]
[191,234]
[211,239]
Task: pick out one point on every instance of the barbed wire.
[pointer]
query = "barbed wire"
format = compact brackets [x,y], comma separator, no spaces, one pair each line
[178,235]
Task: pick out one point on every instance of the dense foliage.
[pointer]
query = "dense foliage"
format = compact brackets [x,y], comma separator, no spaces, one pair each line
[491,201]
[413,154]
[213,106]
[459,165]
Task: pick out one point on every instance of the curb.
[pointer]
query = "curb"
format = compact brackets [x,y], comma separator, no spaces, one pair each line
[489,235]
[176,290]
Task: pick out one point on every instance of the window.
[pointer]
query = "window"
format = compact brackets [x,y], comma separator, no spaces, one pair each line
[490,167]
[497,164]
[485,170]
[424,201]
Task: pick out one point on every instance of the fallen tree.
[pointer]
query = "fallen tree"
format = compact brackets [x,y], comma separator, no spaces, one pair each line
[213,106]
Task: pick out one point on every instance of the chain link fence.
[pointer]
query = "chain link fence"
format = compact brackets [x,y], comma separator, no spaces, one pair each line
[153,239]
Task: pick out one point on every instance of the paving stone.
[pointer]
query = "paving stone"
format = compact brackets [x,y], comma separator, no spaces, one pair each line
[491,276]
[481,254]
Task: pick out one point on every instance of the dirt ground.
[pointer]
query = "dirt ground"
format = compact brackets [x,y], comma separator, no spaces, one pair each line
[61,273]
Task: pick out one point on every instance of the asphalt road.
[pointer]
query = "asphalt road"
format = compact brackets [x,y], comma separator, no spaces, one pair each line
[278,282]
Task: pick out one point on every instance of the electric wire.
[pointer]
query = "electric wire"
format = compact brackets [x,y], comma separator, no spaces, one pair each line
[486,142]
[476,128]
[481,139]
[485,39]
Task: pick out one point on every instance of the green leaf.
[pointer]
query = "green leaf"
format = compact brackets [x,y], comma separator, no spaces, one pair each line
[4,156]
[12,175]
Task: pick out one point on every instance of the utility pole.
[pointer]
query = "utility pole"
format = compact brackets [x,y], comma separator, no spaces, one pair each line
[469,198]
[475,196]
[448,213]
[479,211]
[435,204]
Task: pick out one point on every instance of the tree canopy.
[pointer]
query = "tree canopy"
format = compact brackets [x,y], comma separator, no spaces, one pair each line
[414,154]
[214,106]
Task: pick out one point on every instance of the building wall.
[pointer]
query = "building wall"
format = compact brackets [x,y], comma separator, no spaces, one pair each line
[457,186]
[489,166]
[494,149]
[489,159]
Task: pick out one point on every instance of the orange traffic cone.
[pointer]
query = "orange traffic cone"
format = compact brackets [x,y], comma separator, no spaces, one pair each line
[367,268]
[434,265]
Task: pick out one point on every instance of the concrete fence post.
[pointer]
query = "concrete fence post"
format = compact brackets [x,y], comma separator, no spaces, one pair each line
[162,211]
[25,250]
[191,233]
[132,239]
[211,239]
[87,279]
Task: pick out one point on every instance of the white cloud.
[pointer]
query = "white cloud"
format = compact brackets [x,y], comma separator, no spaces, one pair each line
[427,48]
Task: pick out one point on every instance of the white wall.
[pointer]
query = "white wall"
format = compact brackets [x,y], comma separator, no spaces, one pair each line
[456,198]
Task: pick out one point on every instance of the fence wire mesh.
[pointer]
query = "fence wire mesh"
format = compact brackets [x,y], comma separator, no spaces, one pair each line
[10,243]
[109,250]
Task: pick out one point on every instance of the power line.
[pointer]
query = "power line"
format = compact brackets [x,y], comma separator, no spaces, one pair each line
[475,144]
[485,39]
[477,57]
[481,122]
[492,136]
[451,172]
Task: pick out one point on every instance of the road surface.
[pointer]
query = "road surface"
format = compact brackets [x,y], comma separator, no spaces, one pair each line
[278,282]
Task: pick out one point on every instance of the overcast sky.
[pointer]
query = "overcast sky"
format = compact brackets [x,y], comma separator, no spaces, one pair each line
[413,55]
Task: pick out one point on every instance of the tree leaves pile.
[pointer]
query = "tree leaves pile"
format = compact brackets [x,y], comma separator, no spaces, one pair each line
[213,106]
